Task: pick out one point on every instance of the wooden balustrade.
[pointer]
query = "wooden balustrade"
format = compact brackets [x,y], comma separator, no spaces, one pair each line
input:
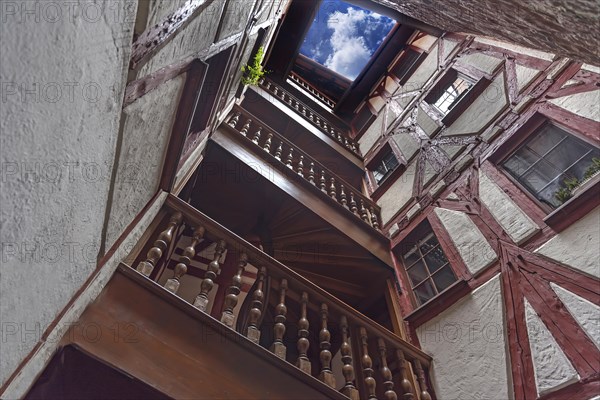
[311,116]
[340,326]
[295,159]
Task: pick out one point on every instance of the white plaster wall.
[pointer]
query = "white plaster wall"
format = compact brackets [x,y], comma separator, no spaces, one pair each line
[578,246]
[472,246]
[422,74]
[483,62]
[518,49]
[146,132]
[371,135]
[585,312]
[469,347]
[63,77]
[551,367]
[525,76]
[398,194]
[514,221]
[586,104]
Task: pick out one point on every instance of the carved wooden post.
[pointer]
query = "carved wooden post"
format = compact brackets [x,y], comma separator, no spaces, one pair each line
[353,207]
[234,120]
[201,301]
[421,379]
[253,333]
[343,200]
[311,173]
[326,376]
[323,182]
[303,343]
[290,157]
[405,385]
[278,348]
[160,246]
[267,146]
[332,189]
[257,135]
[300,166]
[231,299]
[246,126]
[374,221]
[363,212]
[367,364]
[349,390]
[279,150]
[388,384]
[189,252]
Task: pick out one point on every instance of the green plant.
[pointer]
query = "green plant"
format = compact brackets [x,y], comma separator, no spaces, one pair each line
[254,72]
[565,193]
[592,169]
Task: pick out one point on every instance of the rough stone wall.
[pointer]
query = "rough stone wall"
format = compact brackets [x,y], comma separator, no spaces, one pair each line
[567,28]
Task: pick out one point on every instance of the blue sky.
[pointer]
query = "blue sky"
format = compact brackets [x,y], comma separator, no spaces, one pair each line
[343,37]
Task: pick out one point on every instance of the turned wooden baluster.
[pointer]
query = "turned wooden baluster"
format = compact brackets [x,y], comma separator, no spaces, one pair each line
[388,384]
[279,150]
[421,379]
[367,364]
[374,221]
[234,120]
[290,157]
[343,199]
[303,343]
[253,332]
[267,146]
[278,348]
[159,246]
[172,284]
[405,385]
[323,182]
[201,301]
[311,173]
[353,207]
[349,390]
[231,299]
[245,128]
[332,189]
[326,376]
[363,212]
[300,167]
[257,134]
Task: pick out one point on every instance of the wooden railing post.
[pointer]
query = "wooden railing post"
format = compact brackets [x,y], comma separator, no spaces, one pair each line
[388,384]
[405,385]
[201,301]
[367,364]
[253,332]
[231,299]
[349,390]
[278,348]
[303,343]
[172,284]
[326,376]
[421,379]
[160,246]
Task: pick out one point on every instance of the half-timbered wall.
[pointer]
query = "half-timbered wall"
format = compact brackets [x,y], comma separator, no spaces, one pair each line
[522,320]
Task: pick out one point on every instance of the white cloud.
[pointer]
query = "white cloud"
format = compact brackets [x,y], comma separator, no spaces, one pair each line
[350,53]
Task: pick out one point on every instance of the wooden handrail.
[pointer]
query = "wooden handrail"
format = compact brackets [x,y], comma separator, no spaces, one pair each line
[304,165]
[285,284]
[312,116]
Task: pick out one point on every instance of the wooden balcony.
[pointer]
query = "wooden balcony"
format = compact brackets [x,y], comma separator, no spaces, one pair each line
[280,150]
[311,116]
[302,330]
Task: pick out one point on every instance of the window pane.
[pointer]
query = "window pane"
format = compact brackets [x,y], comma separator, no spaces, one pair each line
[425,292]
[539,176]
[417,273]
[452,95]
[429,244]
[520,162]
[566,153]
[548,137]
[411,257]
[435,259]
[579,169]
[444,278]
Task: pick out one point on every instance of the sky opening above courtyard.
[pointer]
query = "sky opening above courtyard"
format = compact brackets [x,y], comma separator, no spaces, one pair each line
[343,37]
